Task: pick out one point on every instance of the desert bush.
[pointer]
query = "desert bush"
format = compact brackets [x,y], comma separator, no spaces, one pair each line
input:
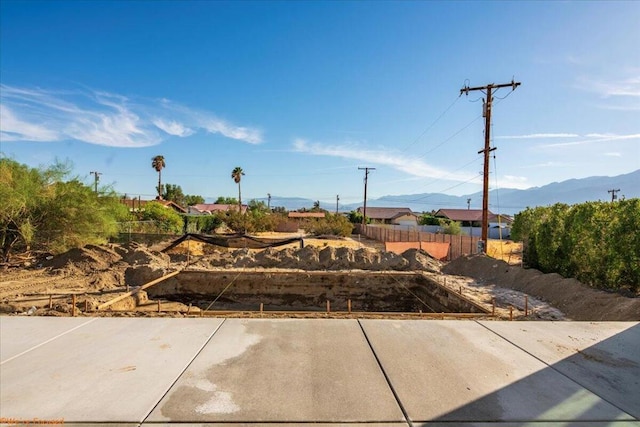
[334,224]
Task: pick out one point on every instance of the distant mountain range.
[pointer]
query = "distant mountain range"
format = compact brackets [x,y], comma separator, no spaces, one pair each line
[506,201]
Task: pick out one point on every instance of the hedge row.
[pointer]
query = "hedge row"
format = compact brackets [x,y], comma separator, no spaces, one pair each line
[597,243]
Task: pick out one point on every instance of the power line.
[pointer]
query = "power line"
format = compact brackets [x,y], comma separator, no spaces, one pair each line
[431,125]
[449,174]
[450,138]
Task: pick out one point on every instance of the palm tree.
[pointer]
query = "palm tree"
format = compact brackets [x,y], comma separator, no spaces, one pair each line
[158,163]
[236,174]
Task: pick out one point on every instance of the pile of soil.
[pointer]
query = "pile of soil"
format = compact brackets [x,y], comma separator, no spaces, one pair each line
[576,300]
[313,258]
[103,267]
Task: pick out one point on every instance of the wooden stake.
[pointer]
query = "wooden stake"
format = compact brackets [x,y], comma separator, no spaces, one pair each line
[328,306]
[261,307]
[510,312]
[460,290]
[50,302]
[141,288]
[526,305]
[86,306]
[73,305]
[189,309]
[349,305]
[158,306]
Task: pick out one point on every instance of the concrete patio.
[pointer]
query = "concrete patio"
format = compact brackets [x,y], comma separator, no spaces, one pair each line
[204,371]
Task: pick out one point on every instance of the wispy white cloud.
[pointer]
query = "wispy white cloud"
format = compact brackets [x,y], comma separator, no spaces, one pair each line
[628,107]
[593,138]
[629,86]
[14,129]
[173,127]
[621,94]
[352,151]
[613,154]
[549,164]
[539,136]
[34,114]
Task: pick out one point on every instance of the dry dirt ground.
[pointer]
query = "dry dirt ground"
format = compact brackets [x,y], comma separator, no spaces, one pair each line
[94,275]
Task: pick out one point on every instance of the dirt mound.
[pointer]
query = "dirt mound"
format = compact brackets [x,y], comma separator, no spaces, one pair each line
[312,258]
[420,260]
[576,300]
[134,253]
[87,259]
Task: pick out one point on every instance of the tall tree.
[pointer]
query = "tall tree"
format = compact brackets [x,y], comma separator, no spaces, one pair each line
[236,174]
[193,199]
[158,164]
[221,200]
[173,193]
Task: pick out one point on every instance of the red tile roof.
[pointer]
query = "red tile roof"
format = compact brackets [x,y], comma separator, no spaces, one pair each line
[216,207]
[474,215]
[306,215]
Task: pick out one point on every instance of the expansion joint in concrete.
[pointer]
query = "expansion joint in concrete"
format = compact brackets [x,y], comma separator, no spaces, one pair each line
[386,377]
[195,355]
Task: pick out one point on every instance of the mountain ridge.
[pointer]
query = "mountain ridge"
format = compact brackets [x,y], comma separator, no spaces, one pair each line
[506,200]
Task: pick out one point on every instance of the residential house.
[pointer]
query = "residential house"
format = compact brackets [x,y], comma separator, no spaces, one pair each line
[137,205]
[473,217]
[499,225]
[212,208]
[304,215]
[397,216]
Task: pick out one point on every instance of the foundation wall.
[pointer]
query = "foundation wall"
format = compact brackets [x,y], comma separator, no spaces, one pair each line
[309,291]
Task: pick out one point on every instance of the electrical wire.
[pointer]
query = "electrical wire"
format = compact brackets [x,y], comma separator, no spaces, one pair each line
[450,138]
[432,124]
[449,174]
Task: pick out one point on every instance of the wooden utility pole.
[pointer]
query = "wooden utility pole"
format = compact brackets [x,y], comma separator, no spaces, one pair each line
[96,178]
[337,200]
[269,201]
[613,194]
[487,149]
[366,177]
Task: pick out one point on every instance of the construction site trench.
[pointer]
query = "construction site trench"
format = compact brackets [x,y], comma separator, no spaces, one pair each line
[311,291]
[336,276]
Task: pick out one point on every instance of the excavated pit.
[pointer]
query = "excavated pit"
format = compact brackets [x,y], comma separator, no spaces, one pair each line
[309,291]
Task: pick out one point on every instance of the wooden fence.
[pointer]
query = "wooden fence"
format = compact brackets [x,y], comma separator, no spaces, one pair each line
[459,245]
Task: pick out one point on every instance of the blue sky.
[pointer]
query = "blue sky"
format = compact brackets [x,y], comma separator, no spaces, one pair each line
[301,94]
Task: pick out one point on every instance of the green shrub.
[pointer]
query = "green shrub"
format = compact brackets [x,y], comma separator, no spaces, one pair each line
[598,243]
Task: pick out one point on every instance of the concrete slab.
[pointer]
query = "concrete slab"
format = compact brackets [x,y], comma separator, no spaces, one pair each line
[533,424]
[110,370]
[460,371]
[279,424]
[602,357]
[282,371]
[20,334]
